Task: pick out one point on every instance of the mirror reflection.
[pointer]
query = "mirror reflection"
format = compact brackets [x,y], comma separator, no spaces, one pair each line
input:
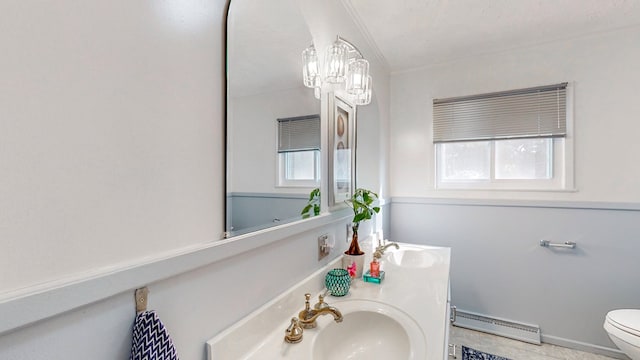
[273,121]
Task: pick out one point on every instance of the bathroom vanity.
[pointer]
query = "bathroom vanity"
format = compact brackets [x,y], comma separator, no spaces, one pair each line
[404,317]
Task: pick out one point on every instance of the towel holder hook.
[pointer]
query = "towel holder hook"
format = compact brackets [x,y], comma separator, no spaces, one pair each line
[141,299]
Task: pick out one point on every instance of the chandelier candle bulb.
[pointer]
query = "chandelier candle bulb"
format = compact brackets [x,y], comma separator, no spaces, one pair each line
[357,74]
[310,73]
[335,63]
[365,97]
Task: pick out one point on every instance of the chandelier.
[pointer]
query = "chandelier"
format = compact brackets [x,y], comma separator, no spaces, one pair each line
[344,66]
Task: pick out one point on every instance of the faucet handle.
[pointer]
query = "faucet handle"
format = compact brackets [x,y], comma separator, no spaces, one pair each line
[320,304]
[307,313]
[293,334]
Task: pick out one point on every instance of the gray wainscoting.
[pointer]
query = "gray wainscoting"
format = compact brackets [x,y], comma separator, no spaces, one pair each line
[499,269]
[254,211]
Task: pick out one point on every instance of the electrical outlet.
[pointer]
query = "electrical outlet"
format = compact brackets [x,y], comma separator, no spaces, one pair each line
[324,248]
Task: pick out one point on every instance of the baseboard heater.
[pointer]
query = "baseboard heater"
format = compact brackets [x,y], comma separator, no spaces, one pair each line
[507,328]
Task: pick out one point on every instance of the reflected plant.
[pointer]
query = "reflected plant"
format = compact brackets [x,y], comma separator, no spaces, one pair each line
[313,204]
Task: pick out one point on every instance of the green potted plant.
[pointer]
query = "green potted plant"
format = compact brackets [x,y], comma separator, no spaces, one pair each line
[361,202]
[313,205]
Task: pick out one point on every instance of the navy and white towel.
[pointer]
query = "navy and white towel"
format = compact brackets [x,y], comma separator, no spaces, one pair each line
[151,341]
[473,354]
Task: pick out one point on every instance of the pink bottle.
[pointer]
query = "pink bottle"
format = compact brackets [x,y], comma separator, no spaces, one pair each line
[374,269]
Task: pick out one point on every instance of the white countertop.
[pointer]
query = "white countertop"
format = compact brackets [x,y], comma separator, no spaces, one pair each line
[421,291]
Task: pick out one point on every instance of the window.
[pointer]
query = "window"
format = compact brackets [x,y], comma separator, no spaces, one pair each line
[299,168]
[508,140]
[299,151]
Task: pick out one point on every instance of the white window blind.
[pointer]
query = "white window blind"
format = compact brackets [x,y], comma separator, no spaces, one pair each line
[300,133]
[523,113]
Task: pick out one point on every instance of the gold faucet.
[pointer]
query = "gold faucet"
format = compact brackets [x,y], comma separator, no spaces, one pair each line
[381,249]
[307,318]
[308,315]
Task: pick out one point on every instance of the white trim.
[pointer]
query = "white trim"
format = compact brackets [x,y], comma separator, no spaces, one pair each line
[588,205]
[568,176]
[303,196]
[379,55]
[25,306]
[582,346]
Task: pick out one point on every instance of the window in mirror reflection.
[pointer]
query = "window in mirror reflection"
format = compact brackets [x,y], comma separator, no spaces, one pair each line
[299,151]
[300,168]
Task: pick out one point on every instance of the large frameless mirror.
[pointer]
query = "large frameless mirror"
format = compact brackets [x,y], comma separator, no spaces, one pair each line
[273,121]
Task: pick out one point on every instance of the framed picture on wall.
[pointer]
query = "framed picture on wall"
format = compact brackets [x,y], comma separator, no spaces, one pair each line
[342,151]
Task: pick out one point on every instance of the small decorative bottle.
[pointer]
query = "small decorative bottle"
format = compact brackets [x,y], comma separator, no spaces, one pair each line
[374,269]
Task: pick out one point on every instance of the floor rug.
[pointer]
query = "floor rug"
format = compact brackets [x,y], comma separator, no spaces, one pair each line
[473,354]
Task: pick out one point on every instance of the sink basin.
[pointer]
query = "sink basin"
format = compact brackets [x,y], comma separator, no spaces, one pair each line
[370,330]
[411,257]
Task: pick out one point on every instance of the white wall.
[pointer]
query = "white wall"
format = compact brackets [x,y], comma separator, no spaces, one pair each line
[498,268]
[110,134]
[253,145]
[112,178]
[601,69]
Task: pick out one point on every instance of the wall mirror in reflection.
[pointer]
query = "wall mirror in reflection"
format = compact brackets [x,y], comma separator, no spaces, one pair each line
[273,121]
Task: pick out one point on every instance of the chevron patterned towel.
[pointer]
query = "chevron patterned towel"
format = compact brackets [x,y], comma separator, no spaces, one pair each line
[150,339]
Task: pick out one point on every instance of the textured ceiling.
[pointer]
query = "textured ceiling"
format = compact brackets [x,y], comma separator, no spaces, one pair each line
[266,37]
[415,33]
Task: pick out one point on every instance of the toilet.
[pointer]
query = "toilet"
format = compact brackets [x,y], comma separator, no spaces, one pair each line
[623,327]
